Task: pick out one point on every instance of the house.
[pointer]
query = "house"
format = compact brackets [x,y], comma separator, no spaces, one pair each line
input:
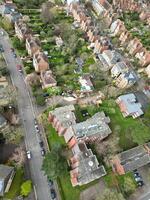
[102,44]
[62,118]
[3,82]
[93,129]
[40,61]
[93,33]
[147,70]
[86,84]
[118,69]
[144,56]
[21,29]
[102,7]
[32,45]
[84,166]
[59,41]
[85,24]
[109,58]
[117,27]
[126,5]
[7,8]
[129,106]
[6,178]
[134,46]
[47,79]
[126,79]
[131,159]
[3,122]
[125,37]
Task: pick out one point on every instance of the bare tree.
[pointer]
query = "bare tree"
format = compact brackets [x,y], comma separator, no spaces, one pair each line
[32,79]
[18,157]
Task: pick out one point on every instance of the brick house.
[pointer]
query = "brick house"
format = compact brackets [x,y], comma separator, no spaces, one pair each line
[126,79]
[62,118]
[131,159]
[93,33]
[85,24]
[117,27]
[102,44]
[144,56]
[21,29]
[125,37]
[93,129]
[84,165]
[134,46]
[40,61]
[129,106]
[126,5]
[32,45]
[47,79]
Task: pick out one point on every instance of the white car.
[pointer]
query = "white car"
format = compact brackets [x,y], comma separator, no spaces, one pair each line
[29,155]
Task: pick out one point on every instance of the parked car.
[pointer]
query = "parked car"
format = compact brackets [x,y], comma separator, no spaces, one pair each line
[35,121]
[50,182]
[29,155]
[14,55]
[53,193]
[43,152]
[140,183]
[138,178]
[19,68]
[1,48]
[37,128]
[41,144]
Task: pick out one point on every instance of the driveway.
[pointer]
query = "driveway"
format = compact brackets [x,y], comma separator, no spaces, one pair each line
[27,114]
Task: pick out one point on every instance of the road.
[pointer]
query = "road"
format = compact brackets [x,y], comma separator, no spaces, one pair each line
[27,115]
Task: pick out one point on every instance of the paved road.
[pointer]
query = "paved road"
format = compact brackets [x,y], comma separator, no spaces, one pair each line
[27,115]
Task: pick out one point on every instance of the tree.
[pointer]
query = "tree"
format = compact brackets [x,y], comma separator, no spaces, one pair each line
[18,157]
[40,100]
[147,116]
[33,79]
[26,188]
[48,12]
[129,185]
[54,163]
[110,195]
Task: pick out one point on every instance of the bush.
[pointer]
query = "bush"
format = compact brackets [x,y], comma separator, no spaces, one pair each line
[26,188]
[40,100]
[28,70]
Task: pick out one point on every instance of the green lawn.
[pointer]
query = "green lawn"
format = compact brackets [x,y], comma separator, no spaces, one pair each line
[124,126]
[15,187]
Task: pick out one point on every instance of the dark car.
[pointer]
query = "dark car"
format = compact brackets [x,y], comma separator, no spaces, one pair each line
[41,144]
[35,122]
[50,182]
[1,48]
[14,55]
[43,152]
[140,183]
[12,49]
[53,193]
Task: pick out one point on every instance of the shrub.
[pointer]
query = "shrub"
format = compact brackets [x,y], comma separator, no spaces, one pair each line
[26,188]
[40,100]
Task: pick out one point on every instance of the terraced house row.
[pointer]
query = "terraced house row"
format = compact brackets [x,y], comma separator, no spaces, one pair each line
[33,46]
[108,58]
[84,164]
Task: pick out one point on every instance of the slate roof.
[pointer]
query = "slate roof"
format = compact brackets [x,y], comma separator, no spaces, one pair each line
[97,125]
[5,172]
[134,158]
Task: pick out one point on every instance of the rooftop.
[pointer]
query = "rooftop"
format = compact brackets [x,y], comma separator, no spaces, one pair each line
[47,77]
[96,125]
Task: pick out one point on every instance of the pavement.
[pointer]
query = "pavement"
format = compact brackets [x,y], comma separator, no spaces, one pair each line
[27,115]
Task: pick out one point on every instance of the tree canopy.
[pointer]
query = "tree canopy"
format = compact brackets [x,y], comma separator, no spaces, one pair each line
[26,188]
[54,163]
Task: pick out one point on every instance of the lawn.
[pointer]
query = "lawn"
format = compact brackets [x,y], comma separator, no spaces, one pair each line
[124,126]
[15,187]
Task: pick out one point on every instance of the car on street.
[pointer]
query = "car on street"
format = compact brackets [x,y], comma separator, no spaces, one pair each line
[41,143]
[37,129]
[50,182]
[29,155]
[35,121]
[138,179]
[12,49]
[1,48]
[53,193]
[43,152]
[19,68]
